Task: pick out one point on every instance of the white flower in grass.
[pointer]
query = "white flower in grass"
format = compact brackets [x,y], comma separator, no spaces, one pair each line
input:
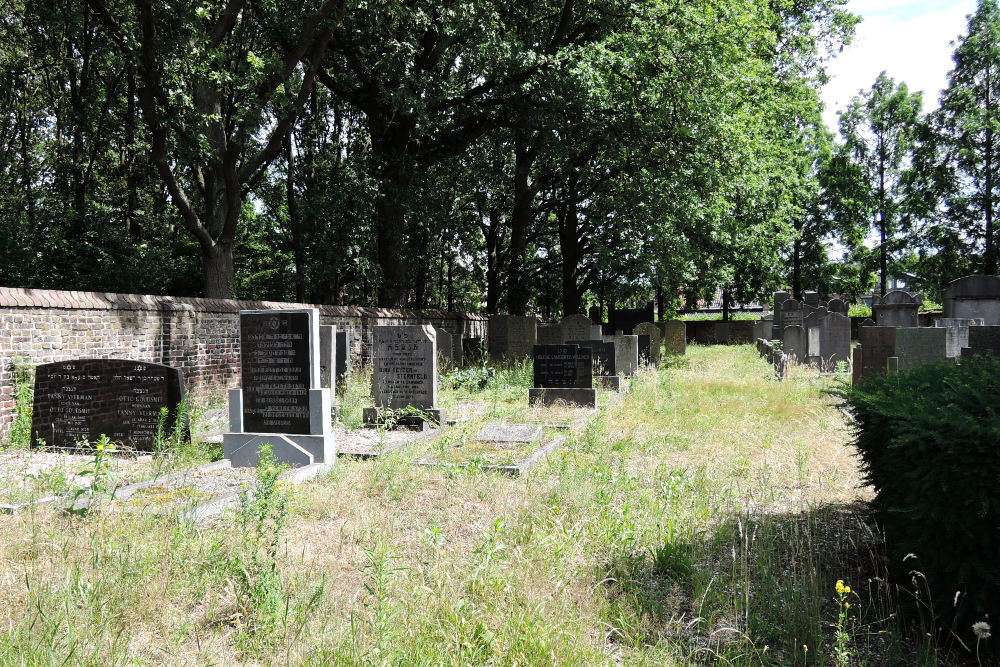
[982,630]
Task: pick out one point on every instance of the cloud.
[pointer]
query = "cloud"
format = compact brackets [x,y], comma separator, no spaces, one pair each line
[911,41]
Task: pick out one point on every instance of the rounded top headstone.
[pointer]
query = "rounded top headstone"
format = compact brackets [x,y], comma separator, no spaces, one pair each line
[975,286]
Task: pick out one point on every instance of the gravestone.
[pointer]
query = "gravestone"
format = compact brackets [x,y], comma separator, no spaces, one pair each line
[957,332]
[343,356]
[856,365]
[510,433]
[867,322]
[404,371]
[458,348]
[82,399]
[550,334]
[973,297]
[835,341]
[877,345]
[780,298]
[512,337]
[793,343]
[782,361]
[897,309]
[595,314]
[576,327]
[791,314]
[761,329]
[653,331]
[626,319]
[445,347]
[563,373]
[920,345]
[811,298]
[626,354]
[280,401]
[644,344]
[563,365]
[602,354]
[596,332]
[675,337]
[812,325]
[837,306]
[328,357]
[983,340]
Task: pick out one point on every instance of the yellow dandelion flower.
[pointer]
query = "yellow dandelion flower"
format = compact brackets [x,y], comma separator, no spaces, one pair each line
[847,589]
[840,585]
[847,605]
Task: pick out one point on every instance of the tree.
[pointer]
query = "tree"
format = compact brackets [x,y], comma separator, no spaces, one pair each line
[220,88]
[967,134]
[879,129]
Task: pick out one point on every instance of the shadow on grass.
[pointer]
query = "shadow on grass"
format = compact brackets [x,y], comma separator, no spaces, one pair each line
[760,588]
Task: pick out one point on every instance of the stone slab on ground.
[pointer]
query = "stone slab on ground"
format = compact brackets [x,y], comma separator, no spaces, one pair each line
[370,443]
[510,433]
[586,398]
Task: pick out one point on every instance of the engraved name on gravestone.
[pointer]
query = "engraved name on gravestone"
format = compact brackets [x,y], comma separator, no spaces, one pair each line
[405,367]
[562,366]
[602,354]
[576,327]
[85,398]
[276,368]
[791,314]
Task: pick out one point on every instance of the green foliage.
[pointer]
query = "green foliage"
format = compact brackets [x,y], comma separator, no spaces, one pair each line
[253,565]
[859,310]
[101,478]
[19,435]
[474,378]
[927,443]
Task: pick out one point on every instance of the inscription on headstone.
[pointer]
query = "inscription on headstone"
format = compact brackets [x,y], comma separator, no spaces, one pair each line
[576,327]
[563,366]
[86,398]
[277,371]
[405,367]
[550,334]
[603,355]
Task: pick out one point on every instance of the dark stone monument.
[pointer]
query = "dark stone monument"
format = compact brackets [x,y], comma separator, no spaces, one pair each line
[877,345]
[626,319]
[563,373]
[920,345]
[811,298]
[791,314]
[644,349]
[983,340]
[780,298]
[602,355]
[343,356]
[81,400]
[280,401]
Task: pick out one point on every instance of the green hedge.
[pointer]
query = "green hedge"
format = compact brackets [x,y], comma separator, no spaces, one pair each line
[929,442]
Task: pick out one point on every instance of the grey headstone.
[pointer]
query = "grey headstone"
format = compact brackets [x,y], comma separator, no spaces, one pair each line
[653,331]
[958,332]
[877,344]
[791,314]
[779,299]
[897,309]
[793,343]
[920,345]
[603,355]
[626,354]
[575,327]
[512,337]
[675,337]
[445,346]
[596,332]
[975,296]
[837,306]
[405,367]
[550,334]
[811,298]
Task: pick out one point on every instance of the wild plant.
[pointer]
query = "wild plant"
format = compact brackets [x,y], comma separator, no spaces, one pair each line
[101,477]
[19,435]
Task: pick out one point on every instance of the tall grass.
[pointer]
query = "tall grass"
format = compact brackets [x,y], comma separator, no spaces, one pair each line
[703,519]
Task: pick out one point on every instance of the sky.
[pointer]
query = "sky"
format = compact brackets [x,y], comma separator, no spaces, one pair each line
[910,39]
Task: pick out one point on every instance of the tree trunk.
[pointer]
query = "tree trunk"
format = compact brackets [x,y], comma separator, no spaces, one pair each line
[989,249]
[520,224]
[217,261]
[569,243]
[660,304]
[725,305]
[294,226]
[797,268]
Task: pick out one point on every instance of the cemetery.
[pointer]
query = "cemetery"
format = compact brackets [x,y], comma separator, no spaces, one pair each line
[647,333]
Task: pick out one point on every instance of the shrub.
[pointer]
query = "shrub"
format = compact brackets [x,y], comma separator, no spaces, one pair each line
[928,442]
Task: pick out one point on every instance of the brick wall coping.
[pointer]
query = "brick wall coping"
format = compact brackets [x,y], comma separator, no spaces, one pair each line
[16,297]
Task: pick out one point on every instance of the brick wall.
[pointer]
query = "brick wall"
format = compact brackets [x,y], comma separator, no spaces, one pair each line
[199,336]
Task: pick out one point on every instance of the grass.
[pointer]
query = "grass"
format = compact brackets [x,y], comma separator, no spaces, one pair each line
[703,519]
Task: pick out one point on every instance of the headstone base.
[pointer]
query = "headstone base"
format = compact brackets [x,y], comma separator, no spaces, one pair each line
[584,398]
[377,416]
[609,382]
[296,450]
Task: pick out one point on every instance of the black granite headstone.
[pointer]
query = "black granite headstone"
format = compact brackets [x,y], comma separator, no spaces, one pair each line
[644,343]
[83,399]
[602,353]
[343,355]
[983,340]
[274,355]
[627,319]
[563,366]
